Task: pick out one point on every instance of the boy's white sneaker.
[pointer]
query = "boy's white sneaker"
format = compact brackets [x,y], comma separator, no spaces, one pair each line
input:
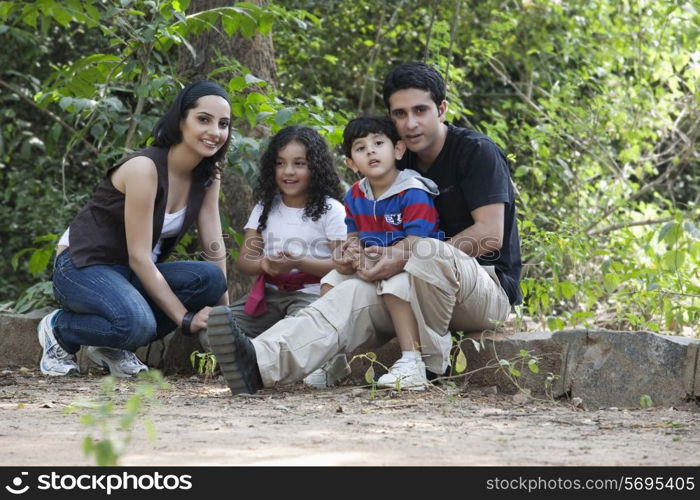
[55,361]
[331,373]
[405,374]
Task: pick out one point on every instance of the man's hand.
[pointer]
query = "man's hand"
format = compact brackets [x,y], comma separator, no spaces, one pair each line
[390,262]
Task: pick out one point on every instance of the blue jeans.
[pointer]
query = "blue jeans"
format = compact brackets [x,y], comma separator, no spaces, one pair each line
[106,305]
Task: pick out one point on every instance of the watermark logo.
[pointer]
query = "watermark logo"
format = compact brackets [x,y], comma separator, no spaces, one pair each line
[17,483]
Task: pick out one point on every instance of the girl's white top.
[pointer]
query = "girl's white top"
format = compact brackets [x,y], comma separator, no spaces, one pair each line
[289,230]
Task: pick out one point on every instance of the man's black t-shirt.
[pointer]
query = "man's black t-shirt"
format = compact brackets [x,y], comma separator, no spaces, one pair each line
[471,172]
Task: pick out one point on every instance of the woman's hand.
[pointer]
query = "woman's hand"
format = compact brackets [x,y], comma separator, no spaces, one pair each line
[199,321]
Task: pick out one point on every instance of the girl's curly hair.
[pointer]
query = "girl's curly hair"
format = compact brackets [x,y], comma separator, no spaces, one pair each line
[323,178]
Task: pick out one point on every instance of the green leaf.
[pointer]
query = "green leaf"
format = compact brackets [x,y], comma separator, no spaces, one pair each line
[88,445]
[674,234]
[692,229]
[477,345]
[555,324]
[568,289]
[237,83]
[39,260]
[369,375]
[461,361]
[665,230]
[255,98]
[283,116]
[610,281]
[150,427]
[104,453]
[673,260]
[533,366]
[62,16]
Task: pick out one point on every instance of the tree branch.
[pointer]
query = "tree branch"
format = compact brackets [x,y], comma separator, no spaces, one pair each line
[620,225]
[52,115]
[611,161]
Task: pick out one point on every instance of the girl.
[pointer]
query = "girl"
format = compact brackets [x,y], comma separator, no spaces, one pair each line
[291,231]
[110,276]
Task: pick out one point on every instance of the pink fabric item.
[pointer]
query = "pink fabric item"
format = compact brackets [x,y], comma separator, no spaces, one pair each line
[256,305]
[286,282]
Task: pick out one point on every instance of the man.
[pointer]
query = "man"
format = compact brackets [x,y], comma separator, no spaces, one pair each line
[467,283]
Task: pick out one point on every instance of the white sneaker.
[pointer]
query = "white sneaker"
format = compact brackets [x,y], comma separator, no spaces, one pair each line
[121,363]
[331,373]
[405,374]
[55,361]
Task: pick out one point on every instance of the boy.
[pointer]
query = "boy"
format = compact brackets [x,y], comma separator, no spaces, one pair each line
[386,211]
[467,283]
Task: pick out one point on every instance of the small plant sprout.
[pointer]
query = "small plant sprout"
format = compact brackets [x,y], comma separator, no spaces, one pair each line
[645,401]
[204,362]
[110,422]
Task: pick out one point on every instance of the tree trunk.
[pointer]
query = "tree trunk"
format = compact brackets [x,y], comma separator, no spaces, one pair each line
[256,53]
[213,48]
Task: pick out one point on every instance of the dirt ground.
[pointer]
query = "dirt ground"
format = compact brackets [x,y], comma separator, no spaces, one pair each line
[198,422]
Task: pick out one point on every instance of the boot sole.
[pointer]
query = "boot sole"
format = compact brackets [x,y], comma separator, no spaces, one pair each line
[221,340]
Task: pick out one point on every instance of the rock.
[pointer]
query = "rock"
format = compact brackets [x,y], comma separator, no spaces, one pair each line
[521,397]
[602,368]
[19,346]
[386,355]
[493,347]
[608,368]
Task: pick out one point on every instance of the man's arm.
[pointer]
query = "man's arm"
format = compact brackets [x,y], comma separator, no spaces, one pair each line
[485,235]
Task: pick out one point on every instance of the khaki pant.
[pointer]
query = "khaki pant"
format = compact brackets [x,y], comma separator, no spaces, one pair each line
[447,290]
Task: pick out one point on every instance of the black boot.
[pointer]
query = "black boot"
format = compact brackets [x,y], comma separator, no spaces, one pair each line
[234,352]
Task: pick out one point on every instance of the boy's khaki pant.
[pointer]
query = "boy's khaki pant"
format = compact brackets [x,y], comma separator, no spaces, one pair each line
[447,290]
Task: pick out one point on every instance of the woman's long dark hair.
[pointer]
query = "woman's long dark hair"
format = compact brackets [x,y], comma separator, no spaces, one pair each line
[167,131]
[323,178]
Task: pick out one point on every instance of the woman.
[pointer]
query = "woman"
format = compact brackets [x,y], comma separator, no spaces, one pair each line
[110,277]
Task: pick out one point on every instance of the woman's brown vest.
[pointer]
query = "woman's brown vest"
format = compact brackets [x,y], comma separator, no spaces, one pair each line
[97,234]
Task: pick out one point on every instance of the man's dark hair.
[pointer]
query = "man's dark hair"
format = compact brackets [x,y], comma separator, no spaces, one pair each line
[360,127]
[414,75]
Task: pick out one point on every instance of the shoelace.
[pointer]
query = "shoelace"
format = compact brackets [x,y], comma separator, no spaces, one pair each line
[122,356]
[59,352]
[130,358]
[398,367]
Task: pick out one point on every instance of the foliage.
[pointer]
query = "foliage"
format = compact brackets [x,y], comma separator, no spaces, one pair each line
[587,98]
[596,104]
[204,362]
[111,422]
